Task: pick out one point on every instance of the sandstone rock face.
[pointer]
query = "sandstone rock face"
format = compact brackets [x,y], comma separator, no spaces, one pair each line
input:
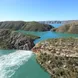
[14,40]
[59,57]
[28,26]
[68,28]
[21,42]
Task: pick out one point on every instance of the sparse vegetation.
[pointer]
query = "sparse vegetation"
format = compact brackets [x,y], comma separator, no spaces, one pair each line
[59,57]
[68,28]
[15,40]
[28,26]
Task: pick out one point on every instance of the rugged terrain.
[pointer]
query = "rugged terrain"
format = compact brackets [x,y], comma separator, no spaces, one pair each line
[59,57]
[28,26]
[14,40]
[58,21]
[68,28]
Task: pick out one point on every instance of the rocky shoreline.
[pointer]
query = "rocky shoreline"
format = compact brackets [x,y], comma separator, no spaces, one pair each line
[14,40]
[59,57]
[68,28]
[10,39]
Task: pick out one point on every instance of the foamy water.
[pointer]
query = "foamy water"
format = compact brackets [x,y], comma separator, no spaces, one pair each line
[11,62]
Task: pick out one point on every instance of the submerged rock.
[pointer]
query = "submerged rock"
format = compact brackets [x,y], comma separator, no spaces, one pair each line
[68,28]
[14,40]
[59,57]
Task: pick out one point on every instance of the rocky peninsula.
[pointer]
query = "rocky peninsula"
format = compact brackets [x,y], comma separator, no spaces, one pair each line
[13,40]
[68,28]
[22,25]
[59,57]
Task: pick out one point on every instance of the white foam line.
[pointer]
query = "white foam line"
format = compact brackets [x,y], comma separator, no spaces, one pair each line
[11,62]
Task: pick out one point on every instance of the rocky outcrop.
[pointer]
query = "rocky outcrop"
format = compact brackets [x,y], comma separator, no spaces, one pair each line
[59,57]
[28,26]
[14,40]
[68,28]
[58,22]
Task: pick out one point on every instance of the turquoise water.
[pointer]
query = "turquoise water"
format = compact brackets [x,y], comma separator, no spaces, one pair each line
[51,34]
[21,63]
[56,25]
[40,34]
[48,34]
[5,52]
[31,69]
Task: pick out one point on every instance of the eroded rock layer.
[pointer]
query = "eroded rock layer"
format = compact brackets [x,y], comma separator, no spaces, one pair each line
[59,57]
[28,26]
[68,28]
[14,40]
